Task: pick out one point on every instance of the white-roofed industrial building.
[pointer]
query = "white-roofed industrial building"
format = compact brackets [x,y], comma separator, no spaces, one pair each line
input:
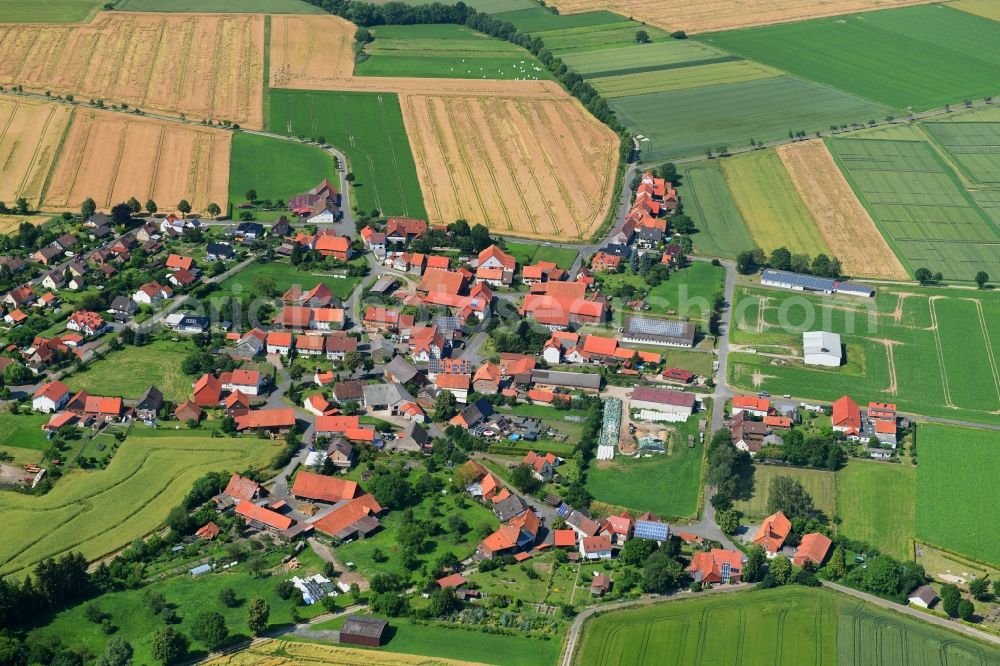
[821,348]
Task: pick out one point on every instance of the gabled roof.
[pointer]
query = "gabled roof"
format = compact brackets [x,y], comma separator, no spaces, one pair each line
[336,423]
[323,488]
[54,391]
[279,417]
[813,547]
[259,514]
[847,414]
[343,517]
[563,538]
[241,488]
[596,544]
[751,402]
[773,532]
[438,281]
[452,381]
[708,566]
[493,252]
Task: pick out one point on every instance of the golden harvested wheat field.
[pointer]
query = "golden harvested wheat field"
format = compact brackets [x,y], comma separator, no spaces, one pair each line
[844,223]
[696,16]
[287,653]
[10,223]
[113,156]
[203,65]
[540,168]
[30,133]
[307,50]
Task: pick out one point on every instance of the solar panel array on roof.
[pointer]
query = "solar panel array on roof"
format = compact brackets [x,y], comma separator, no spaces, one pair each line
[448,323]
[648,529]
[649,326]
[811,282]
[564,510]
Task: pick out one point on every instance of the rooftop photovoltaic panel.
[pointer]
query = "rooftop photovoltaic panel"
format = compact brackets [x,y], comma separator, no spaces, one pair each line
[647,529]
[648,326]
[448,323]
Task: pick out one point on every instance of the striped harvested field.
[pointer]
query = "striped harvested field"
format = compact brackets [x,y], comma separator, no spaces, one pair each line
[297,61]
[30,133]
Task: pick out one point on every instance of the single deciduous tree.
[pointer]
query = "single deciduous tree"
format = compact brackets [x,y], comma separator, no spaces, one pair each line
[258,614]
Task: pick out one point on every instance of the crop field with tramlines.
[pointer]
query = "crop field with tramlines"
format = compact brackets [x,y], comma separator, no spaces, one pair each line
[205,66]
[721,229]
[927,351]
[920,206]
[887,56]
[778,627]
[541,168]
[113,156]
[297,61]
[957,507]
[973,146]
[30,135]
[95,512]
[368,127]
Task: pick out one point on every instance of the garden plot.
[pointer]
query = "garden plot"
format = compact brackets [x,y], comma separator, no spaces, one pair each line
[30,134]
[204,65]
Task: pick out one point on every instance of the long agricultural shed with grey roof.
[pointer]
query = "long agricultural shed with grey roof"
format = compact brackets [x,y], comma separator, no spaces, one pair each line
[578,380]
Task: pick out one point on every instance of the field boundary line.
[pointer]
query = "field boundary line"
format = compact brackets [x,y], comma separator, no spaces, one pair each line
[162,28]
[185,62]
[34,154]
[56,156]
[463,158]
[76,171]
[392,151]
[156,162]
[122,140]
[449,164]
[940,351]
[503,123]
[419,155]
[10,121]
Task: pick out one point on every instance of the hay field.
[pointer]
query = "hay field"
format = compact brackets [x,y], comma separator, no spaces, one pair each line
[985,8]
[296,59]
[540,168]
[202,65]
[287,653]
[845,224]
[30,133]
[707,15]
[112,156]
[95,512]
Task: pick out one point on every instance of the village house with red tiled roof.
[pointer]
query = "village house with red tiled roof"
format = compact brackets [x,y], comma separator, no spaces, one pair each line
[813,548]
[323,488]
[716,566]
[772,533]
[846,417]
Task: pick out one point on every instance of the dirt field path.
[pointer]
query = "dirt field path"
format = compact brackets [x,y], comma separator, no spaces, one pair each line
[989,345]
[695,16]
[940,351]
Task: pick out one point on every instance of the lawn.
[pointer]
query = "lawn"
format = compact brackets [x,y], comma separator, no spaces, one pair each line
[920,206]
[957,506]
[721,231]
[223,6]
[931,360]
[876,503]
[129,372]
[689,291]
[49,11]
[666,484]
[820,484]
[783,626]
[368,127]
[529,253]
[284,275]
[24,430]
[277,169]
[445,51]
[770,205]
[887,56]
[95,512]
[455,642]
[190,596]
[730,115]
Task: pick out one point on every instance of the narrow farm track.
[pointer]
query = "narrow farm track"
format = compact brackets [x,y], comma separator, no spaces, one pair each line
[940,351]
[989,345]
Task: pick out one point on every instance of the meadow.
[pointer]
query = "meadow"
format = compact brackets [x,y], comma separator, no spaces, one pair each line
[220,6]
[529,253]
[721,231]
[917,69]
[920,206]
[919,348]
[820,484]
[788,625]
[633,58]
[538,20]
[284,275]
[569,37]
[276,169]
[876,502]
[730,115]
[956,503]
[24,430]
[95,512]
[681,78]
[770,205]
[985,8]
[129,372]
[973,146]
[368,127]
[49,11]
[485,6]
[666,484]
[445,51]
[465,645]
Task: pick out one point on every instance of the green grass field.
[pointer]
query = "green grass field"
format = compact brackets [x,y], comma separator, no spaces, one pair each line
[129,372]
[276,169]
[223,6]
[666,484]
[887,56]
[485,6]
[820,484]
[721,231]
[368,127]
[634,58]
[577,39]
[957,507]
[770,205]
[876,503]
[730,115]
[689,291]
[284,275]
[535,19]
[793,626]
[48,11]
[455,642]
[445,51]
[95,512]
[24,430]
[681,78]
[973,146]
[529,253]
[926,355]
[920,206]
